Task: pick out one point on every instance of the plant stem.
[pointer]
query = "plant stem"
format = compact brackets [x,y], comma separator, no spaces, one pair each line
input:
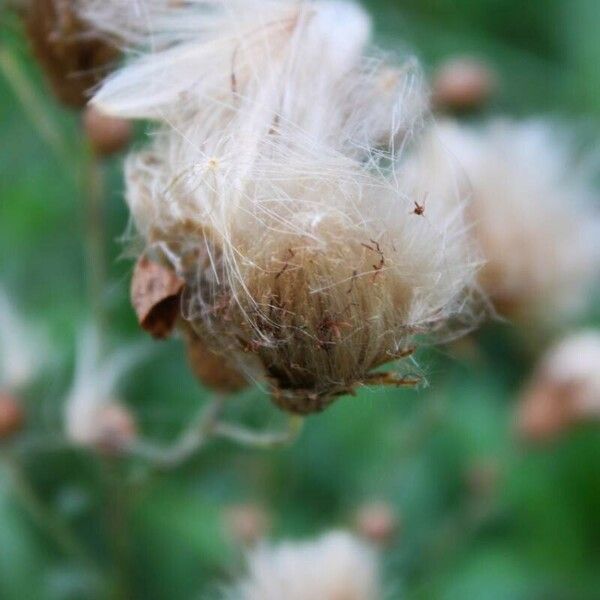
[46,519]
[96,270]
[116,515]
[189,442]
[32,106]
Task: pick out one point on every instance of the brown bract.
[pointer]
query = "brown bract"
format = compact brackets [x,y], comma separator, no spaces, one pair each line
[12,415]
[74,57]
[155,295]
[212,369]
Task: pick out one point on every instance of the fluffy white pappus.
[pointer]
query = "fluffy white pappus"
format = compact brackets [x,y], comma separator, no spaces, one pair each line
[536,215]
[23,352]
[90,406]
[276,186]
[336,566]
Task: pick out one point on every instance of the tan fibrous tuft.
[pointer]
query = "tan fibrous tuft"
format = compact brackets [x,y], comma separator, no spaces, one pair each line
[73,56]
[275,186]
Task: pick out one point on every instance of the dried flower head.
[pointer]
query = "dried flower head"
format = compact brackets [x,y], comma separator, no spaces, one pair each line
[533,214]
[106,135]
[565,389]
[73,55]
[463,84]
[93,418]
[274,186]
[334,567]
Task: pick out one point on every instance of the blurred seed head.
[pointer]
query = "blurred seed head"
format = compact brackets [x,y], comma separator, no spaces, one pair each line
[463,84]
[564,391]
[73,55]
[292,225]
[334,567]
[93,418]
[12,416]
[377,522]
[106,135]
[247,524]
[534,213]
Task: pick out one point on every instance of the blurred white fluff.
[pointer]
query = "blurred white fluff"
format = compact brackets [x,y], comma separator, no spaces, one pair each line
[565,388]
[336,566]
[91,407]
[22,351]
[536,215]
[276,187]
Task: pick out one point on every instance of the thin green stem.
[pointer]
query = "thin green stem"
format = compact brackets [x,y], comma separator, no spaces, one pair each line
[96,270]
[33,106]
[45,518]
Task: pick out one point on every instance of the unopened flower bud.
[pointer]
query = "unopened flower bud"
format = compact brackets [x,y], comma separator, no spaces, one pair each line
[12,416]
[463,84]
[116,429]
[377,522]
[247,523]
[106,135]
[564,391]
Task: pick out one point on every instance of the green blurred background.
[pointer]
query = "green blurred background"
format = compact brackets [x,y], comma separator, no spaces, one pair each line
[482,516]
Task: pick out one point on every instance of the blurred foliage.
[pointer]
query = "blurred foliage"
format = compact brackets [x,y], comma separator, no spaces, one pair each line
[536,535]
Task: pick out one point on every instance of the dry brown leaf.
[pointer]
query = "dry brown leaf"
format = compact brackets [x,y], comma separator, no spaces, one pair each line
[155,295]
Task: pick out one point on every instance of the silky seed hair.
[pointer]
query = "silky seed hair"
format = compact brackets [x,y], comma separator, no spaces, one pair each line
[275,185]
